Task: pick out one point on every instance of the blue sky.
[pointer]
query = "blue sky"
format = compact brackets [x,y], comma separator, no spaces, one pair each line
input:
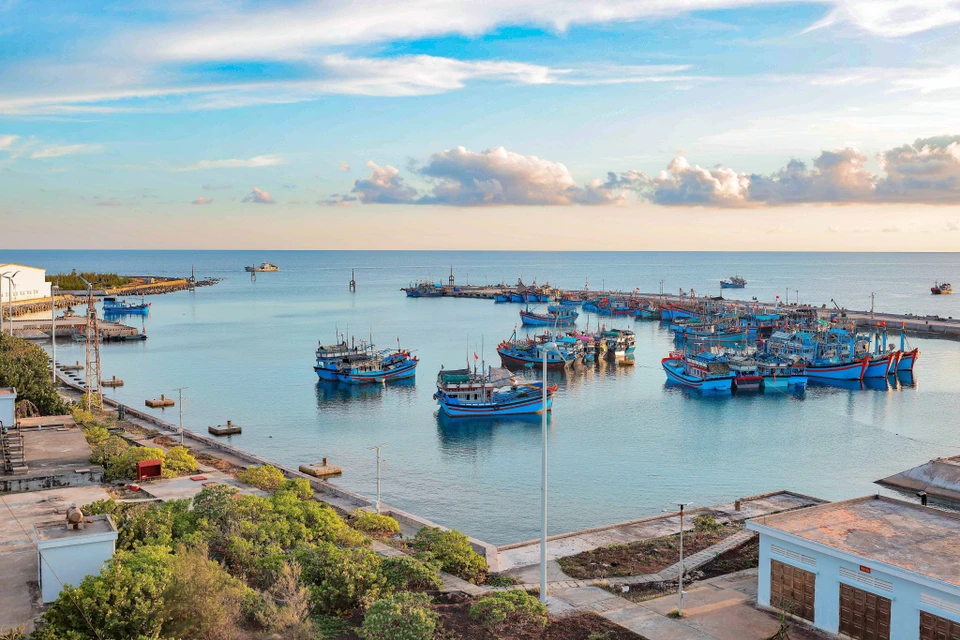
[362,124]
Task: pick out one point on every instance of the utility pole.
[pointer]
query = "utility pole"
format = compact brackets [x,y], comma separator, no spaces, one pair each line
[379,461]
[680,588]
[53,330]
[9,278]
[180,406]
[872,296]
[92,329]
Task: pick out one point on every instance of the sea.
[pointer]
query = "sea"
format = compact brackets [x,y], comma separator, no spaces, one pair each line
[622,444]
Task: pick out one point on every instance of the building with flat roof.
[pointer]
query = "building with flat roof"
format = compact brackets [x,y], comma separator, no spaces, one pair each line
[872,568]
[29,283]
[67,555]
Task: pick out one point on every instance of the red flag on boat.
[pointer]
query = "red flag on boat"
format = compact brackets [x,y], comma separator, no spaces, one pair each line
[475,356]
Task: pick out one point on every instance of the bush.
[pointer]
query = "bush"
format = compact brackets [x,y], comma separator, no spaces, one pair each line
[405,616]
[95,435]
[404,573]
[265,477]
[107,452]
[201,601]
[706,525]
[24,366]
[341,580]
[299,487]
[178,461]
[124,601]
[453,551]
[125,466]
[374,524]
[510,612]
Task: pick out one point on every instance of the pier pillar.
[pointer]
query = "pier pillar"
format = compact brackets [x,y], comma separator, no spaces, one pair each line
[353,281]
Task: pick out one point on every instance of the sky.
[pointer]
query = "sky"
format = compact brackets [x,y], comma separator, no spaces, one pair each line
[503,124]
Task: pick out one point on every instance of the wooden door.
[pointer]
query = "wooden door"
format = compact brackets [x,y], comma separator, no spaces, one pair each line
[864,615]
[792,589]
[936,628]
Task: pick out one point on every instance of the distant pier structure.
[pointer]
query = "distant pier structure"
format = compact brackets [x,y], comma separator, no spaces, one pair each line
[451,276]
[353,280]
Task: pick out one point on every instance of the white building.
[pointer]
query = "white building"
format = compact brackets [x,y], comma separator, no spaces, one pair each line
[8,407]
[28,283]
[67,556]
[872,568]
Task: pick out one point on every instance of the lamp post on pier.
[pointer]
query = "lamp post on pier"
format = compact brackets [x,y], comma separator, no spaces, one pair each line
[546,347]
[680,588]
[9,278]
[53,331]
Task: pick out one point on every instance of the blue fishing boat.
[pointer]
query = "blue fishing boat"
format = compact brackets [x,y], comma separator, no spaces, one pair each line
[711,334]
[113,306]
[462,393]
[736,282]
[516,353]
[501,297]
[561,317]
[516,297]
[382,366]
[425,290]
[618,343]
[330,357]
[836,369]
[778,374]
[908,358]
[704,371]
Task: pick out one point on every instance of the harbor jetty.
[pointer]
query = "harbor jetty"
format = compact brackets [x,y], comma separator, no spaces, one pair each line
[929,326]
[39,328]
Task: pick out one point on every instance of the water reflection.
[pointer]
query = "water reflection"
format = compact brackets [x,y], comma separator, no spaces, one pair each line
[338,393]
[459,435]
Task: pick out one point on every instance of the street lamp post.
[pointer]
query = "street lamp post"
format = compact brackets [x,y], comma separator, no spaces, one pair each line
[680,588]
[379,460]
[547,347]
[9,278]
[180,406]
[53,331]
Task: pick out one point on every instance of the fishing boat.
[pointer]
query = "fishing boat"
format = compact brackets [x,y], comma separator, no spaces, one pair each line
[619,343]
[880,366]
[382,366]
[779,374]
[704,371]
[425,290]
[836,369]
[908,357]
[501,297]
[463,393]
[941,288]
[516,297]
[736,282]
[647,313]
[549,319]
[122,307]
[711,334]
[264,267]
[745,371]
[516,353]
[330,357]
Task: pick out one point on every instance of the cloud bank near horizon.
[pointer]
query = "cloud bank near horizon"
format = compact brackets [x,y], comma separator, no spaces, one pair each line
[924,172]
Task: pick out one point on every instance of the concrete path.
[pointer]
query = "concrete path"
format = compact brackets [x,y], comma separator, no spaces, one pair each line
[516,556]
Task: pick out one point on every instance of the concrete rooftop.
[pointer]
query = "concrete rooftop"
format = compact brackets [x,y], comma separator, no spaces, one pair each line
[58,530]
[909,536]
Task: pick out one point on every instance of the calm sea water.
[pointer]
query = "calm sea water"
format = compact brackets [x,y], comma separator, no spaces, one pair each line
[622,444]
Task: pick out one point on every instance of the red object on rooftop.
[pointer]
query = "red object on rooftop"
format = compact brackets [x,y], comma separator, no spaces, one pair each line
[149,469]
[198,478]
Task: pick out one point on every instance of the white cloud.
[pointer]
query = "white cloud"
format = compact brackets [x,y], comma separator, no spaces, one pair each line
[682,183]
[203,200]
[235,163]
[384,186]
[337,200]
[7,142]
[56,151]
[258,196]
[926,171]
[344,167]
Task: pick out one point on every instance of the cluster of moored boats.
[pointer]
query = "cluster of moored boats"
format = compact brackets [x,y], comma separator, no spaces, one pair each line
[731,347]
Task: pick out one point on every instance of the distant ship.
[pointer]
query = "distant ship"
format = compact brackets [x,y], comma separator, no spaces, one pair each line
[736,282]
[465,393]
[941,289]
[265,266]
[112,306]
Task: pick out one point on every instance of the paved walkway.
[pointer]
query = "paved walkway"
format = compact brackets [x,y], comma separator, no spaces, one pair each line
[513,558]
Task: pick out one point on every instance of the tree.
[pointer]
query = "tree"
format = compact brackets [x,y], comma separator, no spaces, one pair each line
[202,601]
[24,367]
[264,477]
[341,580]
[124,601]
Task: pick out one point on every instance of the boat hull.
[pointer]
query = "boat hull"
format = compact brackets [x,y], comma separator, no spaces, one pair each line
[524,406]
[516,361]
[846,371]
[676,375]
[536,320]
[879,367]
[407,370]
[908,359]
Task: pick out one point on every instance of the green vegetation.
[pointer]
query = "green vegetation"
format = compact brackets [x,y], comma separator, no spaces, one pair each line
[405,616]
[265,477]
[24,366]
[706,525]
[72,282]
[404,573]
[378,526]
[510,612]
[452,551]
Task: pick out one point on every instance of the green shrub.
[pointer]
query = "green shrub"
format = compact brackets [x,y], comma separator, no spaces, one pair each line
[125,466]
[340,580]
[124,601]
[95,435]
[404,573]
[25,367]
[265,477]
[706,525]
[201,601]
[405,616]
[178,461]
[108,453]
[71,282]
[500,580]
[375,525]
[299,487]
[510,612]
[453,551]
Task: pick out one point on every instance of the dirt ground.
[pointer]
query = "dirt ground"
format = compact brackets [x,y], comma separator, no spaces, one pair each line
[639,558]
